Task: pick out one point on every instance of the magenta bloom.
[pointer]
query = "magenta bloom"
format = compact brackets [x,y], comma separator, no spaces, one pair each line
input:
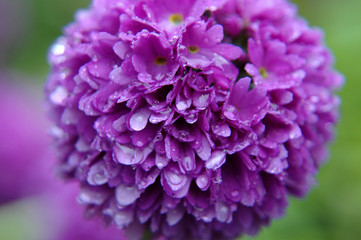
[194,119]
[23,143]
[27,168]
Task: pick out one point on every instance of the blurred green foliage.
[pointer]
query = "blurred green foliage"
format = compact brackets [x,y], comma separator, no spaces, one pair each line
[332,210]
[44,24]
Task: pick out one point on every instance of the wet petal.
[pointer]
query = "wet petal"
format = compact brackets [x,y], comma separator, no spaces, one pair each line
[124,154]
[126,195]
[217,159]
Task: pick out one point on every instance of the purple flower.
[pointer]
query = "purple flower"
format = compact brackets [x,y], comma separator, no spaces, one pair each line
[21,123]
[170,16]
[271,66]
[152,57]
[26,169]
[201,46]
[192,120]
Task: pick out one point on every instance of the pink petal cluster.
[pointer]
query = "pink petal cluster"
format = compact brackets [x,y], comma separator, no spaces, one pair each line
[194,119]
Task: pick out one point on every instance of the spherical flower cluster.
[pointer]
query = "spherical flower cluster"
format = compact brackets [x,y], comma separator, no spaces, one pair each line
[193,119]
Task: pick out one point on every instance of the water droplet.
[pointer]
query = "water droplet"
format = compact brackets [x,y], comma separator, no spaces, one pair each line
[96,174]
[188,163]
[222,130]
[231,112]
[59,94]
[295,133]
[202,182]
[142,184]
[58,49]
[222,212]
[203,99]
[139,143]
[56,132]
[100,179]
[139,119]
[64,73]
[124,154]
[175,179]
[216,160]
[126,195]
[181,105]
[161,161]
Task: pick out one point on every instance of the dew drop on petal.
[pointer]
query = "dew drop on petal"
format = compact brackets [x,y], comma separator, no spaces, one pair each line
[188,164]
[139,119]
[181,105]
[123,154]
[59,94]
[203,181]
[275,166]
[161,161]
[222,212]
[231,112]
[200,100]
[204,150]
[216,160]
[175,179]
[58,49]
[88,196]
[123,218]
[174,216]
[295,133]
[222,130]
[96,174]
[126,195]
[56,132]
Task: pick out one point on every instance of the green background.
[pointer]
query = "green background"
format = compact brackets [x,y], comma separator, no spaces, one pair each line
[332,210]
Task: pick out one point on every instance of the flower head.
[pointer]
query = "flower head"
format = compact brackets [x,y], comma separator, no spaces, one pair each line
[194,121]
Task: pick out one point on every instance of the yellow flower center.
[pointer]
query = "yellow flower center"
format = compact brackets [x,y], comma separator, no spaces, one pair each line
[193,49]
[263,72]
[160,61]
[176,18]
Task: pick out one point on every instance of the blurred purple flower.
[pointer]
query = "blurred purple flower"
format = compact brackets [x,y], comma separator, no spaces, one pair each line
[194,121]
[22,173]
[26,167]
